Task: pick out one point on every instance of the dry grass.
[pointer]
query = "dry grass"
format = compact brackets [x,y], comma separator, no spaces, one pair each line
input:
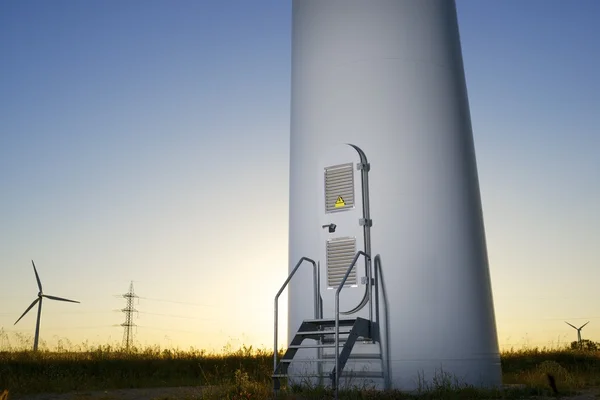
[246,373]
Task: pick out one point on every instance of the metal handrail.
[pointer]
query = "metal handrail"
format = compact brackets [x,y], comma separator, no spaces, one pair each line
[366,223]
[384,346]
[317,299]
[337,317]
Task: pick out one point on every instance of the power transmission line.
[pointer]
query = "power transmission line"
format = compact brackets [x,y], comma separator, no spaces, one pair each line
[542,318]
[177,302]
[169,329]
[51,329]
[175,316]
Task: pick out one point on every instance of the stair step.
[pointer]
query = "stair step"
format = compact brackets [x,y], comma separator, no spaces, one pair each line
[373,356]
[313,346]
[287,361]
[331,357]
[362,374]
[332,339]
[330,321]
[320,333]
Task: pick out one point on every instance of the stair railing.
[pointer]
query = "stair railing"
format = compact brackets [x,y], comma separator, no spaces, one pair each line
[337,318]
[384,344]
[318,310]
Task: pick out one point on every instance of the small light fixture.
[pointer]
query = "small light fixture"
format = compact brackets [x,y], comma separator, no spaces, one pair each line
[331,227]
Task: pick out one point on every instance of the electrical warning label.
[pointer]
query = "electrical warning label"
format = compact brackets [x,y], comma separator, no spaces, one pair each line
[340,202]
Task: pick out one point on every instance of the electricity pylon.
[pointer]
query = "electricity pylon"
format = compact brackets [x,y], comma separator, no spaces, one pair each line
[128,324]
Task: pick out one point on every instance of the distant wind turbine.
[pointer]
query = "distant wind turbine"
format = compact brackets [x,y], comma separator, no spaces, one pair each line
[578,331]
[39,300]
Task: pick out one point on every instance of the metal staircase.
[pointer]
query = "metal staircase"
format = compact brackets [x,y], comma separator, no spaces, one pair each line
[321,334]
[333,339]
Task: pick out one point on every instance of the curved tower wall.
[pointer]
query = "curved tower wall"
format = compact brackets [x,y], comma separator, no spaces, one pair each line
[387,76]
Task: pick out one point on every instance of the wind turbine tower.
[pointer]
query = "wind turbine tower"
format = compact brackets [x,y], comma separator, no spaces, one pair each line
[39,301]
[384,193]
[578,331]
[128,324]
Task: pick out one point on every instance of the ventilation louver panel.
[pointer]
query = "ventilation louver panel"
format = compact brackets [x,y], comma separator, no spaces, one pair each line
[339,187]
[340,253]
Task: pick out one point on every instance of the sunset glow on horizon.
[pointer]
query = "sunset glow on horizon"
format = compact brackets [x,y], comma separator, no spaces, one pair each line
[149,142]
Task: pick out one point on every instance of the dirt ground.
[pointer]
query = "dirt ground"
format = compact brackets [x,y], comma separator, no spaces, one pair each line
[587,394]
[170,393]
[173,393]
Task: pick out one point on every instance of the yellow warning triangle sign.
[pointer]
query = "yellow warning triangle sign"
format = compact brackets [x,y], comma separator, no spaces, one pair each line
[340,202]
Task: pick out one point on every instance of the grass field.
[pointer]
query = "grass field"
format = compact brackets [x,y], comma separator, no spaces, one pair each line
[245,373]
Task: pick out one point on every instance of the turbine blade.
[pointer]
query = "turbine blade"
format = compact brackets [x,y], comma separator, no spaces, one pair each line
[37,276]
[584,325]
[570,325]
[28,308]
[58,298]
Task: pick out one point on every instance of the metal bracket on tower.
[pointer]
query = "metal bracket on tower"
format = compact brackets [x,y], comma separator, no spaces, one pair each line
[364,280]
[365,166]
[365,222]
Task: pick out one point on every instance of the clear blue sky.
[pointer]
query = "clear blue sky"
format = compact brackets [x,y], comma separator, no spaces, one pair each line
[149,141]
